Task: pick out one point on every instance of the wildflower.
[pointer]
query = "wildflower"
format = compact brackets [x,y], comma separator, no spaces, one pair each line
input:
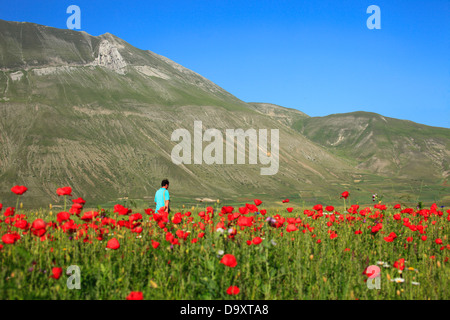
[229,260]
[155,244]
[113,244]
[257,240]
[345,194]
[56,273]
[135,296]
[66,191]
[19,190]
[233,290]
[400,264]
[10,238]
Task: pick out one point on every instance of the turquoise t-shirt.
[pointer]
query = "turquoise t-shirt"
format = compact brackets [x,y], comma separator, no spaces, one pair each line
[159,197]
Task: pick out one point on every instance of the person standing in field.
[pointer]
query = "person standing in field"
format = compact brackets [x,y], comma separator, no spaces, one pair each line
[162,197]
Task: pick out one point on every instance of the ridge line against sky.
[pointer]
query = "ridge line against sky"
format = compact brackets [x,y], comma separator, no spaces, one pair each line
[318,57]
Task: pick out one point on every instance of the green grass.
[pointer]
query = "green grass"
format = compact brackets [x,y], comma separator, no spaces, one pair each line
[284,266]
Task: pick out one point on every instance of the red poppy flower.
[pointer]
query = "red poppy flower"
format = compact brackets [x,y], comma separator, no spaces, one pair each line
[290,210]
[22,224]
[233,290]
[329,208]
[88,216]
[438,241]
[62,216]
[135,295]
[79,201]
[113,244]
[318,207]
[19,190]
[38,224]
[229,260]
[243,210]
[227,210]
[9,212]
[286,201]
[245,221]
[257,240]
[257,202]
[66,191]
[56,273]
[291,227]
[400,264]
[10,238]
[345,194]
[121,210]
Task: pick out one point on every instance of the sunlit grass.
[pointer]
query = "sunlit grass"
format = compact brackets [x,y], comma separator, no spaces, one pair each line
[286,265]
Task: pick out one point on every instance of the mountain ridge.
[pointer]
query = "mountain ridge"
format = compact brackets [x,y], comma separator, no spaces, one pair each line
[103,126]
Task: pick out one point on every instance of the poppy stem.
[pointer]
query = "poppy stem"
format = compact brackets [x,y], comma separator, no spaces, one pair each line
[65,202]
[17,203]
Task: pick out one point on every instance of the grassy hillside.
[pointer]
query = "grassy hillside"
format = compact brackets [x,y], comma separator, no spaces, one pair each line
[97,114]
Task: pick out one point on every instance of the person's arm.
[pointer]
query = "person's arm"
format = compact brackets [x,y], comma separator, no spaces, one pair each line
[166,204]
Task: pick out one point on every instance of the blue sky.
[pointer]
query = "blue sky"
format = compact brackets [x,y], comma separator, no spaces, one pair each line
[315,56]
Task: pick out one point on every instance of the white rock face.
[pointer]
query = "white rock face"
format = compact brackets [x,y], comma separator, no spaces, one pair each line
[16,76]
[52,70]
[109,57]
[152,72]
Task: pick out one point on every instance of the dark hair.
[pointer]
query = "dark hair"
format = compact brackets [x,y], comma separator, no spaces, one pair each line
[164,183]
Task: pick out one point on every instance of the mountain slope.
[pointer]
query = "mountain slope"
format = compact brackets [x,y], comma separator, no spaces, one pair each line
[383,145]
[97,114]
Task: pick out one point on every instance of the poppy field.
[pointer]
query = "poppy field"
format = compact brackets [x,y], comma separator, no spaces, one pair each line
[225,253]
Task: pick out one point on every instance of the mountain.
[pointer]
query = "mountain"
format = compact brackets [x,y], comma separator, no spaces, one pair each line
[97,114]
[397,151]
[383,145]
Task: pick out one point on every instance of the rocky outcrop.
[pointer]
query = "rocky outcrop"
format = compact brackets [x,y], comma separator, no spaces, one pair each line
[110,57]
